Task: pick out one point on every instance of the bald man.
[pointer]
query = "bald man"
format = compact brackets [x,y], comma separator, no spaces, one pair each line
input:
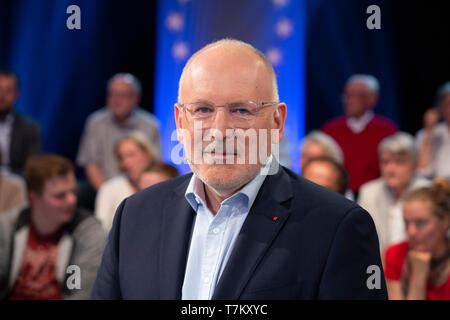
[240,226]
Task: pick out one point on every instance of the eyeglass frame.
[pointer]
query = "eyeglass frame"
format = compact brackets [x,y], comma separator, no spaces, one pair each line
[258,106]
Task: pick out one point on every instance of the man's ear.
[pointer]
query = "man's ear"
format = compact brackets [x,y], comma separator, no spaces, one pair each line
[33,197]
[178,113]
[279,118]
[446,223]
[138,99]
[373,100]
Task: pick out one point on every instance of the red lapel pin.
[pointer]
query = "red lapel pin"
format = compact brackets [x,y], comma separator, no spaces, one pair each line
[275,218]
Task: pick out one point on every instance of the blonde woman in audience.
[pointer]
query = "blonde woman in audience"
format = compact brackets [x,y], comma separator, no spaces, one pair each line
[419,268]
[133,154]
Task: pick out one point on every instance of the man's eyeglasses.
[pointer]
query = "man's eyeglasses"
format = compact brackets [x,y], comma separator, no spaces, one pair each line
[241,112]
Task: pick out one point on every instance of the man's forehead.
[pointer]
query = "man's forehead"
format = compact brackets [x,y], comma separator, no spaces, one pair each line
[224,55]
[121,83]
[55,183]
[6,79]
[212,67]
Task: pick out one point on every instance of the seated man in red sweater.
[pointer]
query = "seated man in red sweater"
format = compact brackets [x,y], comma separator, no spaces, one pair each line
[359,132]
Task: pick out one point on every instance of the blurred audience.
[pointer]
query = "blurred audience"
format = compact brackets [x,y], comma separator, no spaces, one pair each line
[121,117]
[326,172]
[382,197]
[434,139]
[38,243]
[359,132]
[134,154]
[12,191]
[319,144]
[157,173]
[20,136]
[419,268]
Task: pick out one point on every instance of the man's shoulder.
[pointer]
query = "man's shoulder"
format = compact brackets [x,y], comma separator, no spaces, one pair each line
[98,115]
[383,122]
[334,123]
[372,186]
[25,121]
[146,117]
[84,223]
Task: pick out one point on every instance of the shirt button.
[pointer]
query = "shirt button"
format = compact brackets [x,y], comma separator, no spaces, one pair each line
[206,280]
[216,230]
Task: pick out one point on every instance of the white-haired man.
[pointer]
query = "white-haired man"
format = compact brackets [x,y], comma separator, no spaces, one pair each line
[359,132]
[382,197]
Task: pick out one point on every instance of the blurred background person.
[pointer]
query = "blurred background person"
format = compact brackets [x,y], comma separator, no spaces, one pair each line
[326,172]
[434,139]
[20,137]
[156,173]
[319,144]
[133,154]
[382,197]
[121,117]
[12,191]
[38,243]
[419,268]
[359,131]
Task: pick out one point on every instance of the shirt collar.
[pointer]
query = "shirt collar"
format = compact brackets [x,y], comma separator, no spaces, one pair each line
[358,125]
[130,122]
[8,120]
[195,192]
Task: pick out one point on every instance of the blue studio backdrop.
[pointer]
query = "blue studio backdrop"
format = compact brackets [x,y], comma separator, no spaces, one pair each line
[313,45]
[276,28]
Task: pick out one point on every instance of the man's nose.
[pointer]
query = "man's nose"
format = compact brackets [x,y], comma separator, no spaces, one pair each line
[71,198]
[222,121]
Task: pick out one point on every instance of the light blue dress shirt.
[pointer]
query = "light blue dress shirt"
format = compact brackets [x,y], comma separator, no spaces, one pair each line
[213,237]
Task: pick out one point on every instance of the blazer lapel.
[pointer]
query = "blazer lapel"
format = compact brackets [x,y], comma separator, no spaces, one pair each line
[178,218]
[265,219]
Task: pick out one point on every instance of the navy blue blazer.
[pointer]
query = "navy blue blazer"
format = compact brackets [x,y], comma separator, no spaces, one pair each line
[319,247]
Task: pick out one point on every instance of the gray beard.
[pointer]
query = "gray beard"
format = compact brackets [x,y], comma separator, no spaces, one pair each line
[226,186]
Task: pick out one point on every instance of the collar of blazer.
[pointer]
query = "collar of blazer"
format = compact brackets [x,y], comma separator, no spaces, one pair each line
[257,233]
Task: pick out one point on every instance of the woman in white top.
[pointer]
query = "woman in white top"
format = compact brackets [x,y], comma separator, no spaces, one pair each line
[133,154]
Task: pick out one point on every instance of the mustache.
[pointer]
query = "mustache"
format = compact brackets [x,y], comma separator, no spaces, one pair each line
[218,148]
[227,146]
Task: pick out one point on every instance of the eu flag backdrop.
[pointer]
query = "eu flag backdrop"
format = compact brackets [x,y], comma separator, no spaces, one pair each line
[275,27]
